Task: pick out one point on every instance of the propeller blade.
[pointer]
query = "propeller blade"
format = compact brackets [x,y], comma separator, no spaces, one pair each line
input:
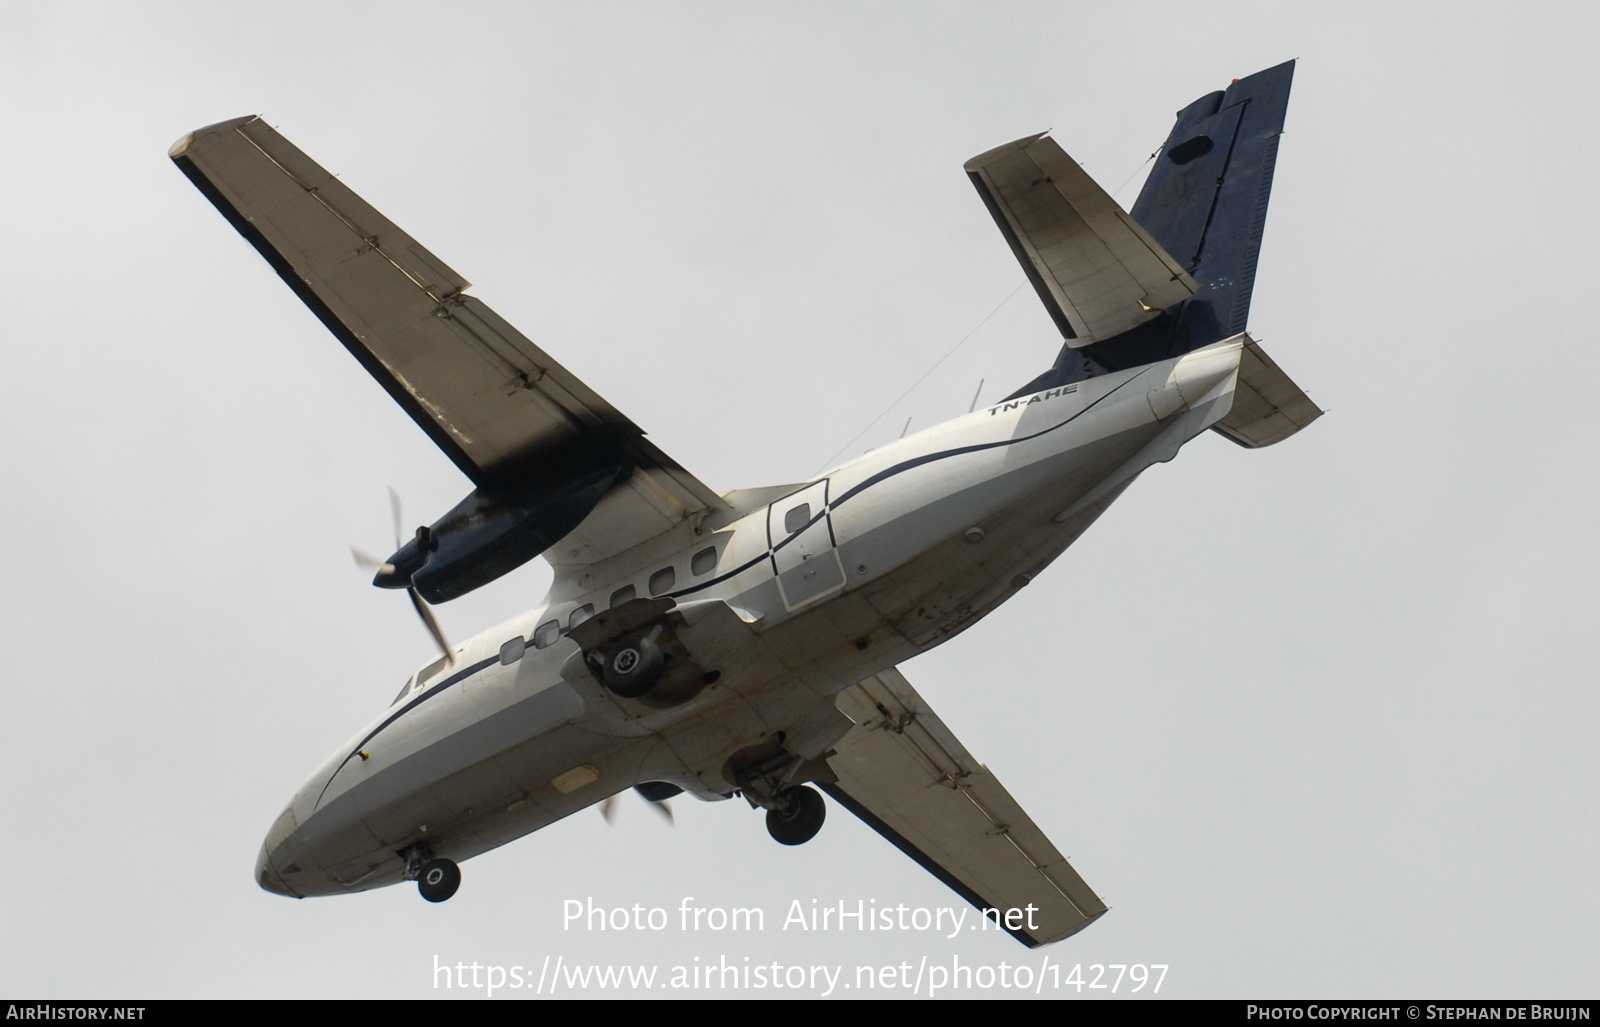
[426,614]
[394,510]
[665,809]
[370,562]
[608,808]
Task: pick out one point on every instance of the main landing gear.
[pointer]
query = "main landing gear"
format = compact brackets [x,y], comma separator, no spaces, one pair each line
[763,773]
[797,816]
[437,878]
[634,665]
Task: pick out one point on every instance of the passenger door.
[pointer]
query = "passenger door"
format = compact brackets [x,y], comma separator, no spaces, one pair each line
[804,557]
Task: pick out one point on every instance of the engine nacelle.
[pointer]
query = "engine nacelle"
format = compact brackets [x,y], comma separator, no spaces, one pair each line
[492,533]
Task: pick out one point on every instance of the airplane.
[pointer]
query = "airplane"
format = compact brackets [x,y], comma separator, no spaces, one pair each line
[746,643]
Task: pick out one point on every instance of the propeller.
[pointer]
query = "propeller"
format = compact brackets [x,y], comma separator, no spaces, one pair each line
[424,611]
[608,808]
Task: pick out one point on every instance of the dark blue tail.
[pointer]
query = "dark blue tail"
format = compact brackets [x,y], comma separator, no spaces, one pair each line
[1206,204]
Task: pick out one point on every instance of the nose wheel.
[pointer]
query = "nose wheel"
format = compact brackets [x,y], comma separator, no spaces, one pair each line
[797,817]
[438,879]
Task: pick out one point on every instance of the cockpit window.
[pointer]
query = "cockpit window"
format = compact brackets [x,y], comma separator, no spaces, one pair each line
[621,596]
[546,633]
[426,675]
[423,678]
[580,615]
[796,519]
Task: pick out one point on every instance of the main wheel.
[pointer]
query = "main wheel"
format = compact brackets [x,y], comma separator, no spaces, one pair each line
[633,667]
[438,880]
[799,818]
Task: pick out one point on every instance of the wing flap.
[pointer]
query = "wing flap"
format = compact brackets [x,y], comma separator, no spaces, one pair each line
[904,773]
[1097,270]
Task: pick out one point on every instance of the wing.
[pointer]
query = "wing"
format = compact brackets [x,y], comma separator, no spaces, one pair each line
[498,405]
[1097,270]
[903,772]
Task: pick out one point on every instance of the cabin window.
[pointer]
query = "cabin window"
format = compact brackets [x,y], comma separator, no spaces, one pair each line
[546,633]
[662,580]
[704,562]
[512,651]
[796,519]
[621,595]
[580,615]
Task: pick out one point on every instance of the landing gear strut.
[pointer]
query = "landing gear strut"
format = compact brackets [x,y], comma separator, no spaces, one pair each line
[797,816]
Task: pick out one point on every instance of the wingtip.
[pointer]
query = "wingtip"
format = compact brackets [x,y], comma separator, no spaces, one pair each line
[977,163]
[179,148]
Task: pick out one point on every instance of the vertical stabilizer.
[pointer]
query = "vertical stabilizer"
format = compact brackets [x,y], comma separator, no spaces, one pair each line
[1205,204]
[1206,198]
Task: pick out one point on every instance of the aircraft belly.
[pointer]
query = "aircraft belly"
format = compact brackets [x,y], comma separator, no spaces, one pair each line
[911,549]
[473,809]
[807,719]
[916,544]
[536,716]
[835,644]
[417,812]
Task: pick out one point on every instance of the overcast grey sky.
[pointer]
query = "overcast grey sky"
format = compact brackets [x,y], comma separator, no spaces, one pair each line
[1316,721]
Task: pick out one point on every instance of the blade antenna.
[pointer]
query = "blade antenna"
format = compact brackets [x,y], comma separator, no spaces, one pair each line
[925,374]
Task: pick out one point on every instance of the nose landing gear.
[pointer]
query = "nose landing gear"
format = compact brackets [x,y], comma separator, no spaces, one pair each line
[437,878]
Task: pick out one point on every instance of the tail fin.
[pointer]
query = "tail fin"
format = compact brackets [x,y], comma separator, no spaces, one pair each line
[1206,199]
[1205,203]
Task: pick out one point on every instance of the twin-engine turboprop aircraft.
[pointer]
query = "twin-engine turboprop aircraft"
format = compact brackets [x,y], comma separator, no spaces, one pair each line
[746,643]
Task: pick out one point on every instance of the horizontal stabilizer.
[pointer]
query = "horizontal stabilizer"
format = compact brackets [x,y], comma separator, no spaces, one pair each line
[1267,406]
[1097,270]
[903,773]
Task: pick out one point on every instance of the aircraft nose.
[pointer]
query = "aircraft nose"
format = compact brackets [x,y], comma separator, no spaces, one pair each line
[268,877]
[266,873]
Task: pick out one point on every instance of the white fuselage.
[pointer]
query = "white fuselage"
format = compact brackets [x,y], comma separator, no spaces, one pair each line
[894,552]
